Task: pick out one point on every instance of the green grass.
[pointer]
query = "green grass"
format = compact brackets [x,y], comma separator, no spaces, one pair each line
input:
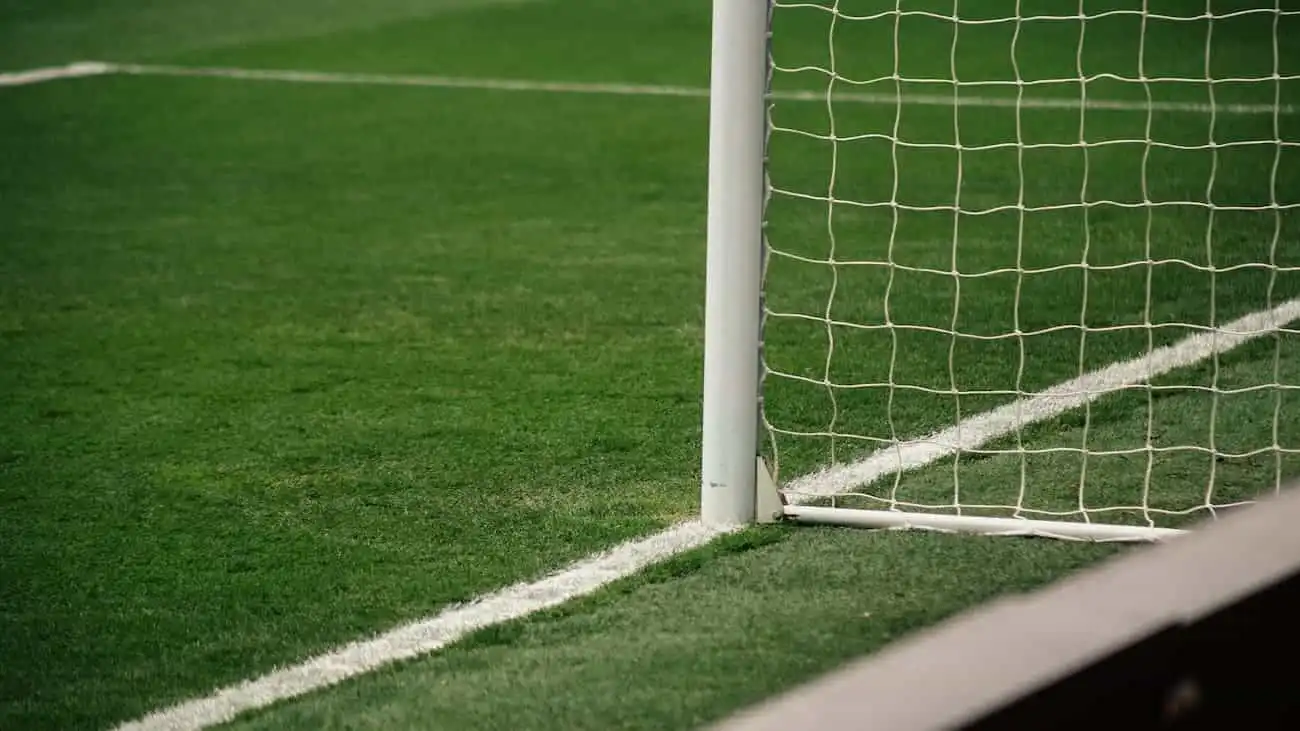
[284,365]
[270,383]
[52,32]
[686,643]
[724,627]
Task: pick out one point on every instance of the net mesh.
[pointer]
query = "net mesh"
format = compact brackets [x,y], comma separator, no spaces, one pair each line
[1050,257]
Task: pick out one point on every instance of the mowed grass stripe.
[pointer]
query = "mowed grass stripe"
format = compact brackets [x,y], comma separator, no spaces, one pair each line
[53,32]
[282,369]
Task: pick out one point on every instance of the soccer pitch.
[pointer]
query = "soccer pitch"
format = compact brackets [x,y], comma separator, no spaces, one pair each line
[287,364]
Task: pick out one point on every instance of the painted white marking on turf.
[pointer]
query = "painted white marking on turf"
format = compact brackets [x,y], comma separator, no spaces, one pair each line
[979,430]
[562,87]
[71,71]
[430,634]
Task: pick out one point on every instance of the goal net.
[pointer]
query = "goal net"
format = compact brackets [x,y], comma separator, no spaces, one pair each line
[1029,267]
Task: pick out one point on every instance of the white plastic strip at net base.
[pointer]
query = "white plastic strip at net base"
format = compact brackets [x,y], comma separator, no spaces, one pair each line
[900,520]
[1059,304]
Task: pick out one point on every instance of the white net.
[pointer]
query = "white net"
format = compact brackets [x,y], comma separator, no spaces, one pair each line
[1030,260]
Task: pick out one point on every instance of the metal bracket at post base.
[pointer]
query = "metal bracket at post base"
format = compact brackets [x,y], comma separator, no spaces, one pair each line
[769,503]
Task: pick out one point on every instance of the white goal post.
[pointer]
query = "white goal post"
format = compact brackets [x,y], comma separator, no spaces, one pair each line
[737,128]
[1172,181]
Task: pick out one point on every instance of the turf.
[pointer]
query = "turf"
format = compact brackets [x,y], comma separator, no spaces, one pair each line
[690,641]
[283,365]
[725,627]
[53,32]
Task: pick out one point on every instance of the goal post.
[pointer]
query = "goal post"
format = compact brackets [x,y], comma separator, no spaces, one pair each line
[737,130]
[1002,267]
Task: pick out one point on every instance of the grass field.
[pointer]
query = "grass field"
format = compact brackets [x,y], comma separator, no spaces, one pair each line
[283,364]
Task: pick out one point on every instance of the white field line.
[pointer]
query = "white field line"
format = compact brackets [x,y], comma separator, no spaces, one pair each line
[698,92]
[979,430]
[71,71]
[430,634]
[590,574]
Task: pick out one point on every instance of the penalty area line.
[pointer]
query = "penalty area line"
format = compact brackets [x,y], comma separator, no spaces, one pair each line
[662,90]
